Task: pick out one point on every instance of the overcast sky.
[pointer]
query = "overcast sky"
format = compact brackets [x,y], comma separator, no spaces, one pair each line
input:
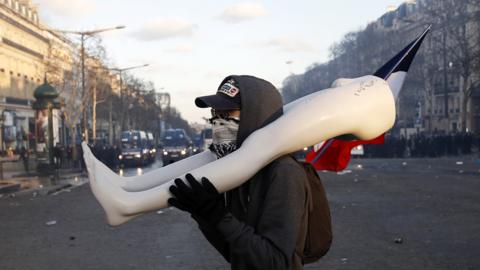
[192,45]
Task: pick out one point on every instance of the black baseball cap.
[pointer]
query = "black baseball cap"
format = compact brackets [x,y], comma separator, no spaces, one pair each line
[226,98]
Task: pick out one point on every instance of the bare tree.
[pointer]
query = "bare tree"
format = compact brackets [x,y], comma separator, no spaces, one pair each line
[454,39]
[62,69]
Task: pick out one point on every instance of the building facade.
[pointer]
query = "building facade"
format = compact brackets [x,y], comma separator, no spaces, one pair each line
[23,49]
[29,52]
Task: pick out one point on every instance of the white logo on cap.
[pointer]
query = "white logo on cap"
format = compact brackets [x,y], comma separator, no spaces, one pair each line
[229,89]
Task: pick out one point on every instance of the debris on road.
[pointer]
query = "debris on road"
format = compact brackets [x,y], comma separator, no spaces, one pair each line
[160,212]
[459,163]
[51,223]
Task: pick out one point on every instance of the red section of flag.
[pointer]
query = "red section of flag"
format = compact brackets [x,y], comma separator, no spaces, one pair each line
[336,156]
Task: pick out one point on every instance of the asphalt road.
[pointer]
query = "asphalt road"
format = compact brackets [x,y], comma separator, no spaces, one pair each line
[430,206]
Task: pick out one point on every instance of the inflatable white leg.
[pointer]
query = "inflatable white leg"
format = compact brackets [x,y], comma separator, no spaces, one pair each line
[162,175]
[116,202]
[323,115]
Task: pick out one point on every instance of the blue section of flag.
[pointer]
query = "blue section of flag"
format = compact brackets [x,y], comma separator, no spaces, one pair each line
[403,60]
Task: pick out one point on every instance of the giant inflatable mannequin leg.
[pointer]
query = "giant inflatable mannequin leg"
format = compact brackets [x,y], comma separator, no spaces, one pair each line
[162,175]
[323,115]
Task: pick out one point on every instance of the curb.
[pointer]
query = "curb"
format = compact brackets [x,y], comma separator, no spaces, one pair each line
[54,189]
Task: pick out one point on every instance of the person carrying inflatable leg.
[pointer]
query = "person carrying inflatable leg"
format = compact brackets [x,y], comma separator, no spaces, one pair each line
[261,224]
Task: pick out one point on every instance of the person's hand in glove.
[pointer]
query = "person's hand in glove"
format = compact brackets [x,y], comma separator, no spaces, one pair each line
[201,200]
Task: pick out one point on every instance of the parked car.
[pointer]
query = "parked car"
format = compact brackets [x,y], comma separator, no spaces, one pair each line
[176,146]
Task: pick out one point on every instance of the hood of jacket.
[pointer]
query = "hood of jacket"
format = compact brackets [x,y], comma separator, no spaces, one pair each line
[261,103]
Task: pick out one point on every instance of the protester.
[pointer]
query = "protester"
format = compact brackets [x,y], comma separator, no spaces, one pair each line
[261,224]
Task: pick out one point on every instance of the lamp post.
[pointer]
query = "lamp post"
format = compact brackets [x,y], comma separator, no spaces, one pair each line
[83,37]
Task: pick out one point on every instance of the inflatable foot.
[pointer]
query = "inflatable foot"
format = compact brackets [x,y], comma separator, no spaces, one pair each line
[110,196]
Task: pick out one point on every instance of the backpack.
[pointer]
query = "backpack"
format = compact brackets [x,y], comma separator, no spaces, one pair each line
[319,225]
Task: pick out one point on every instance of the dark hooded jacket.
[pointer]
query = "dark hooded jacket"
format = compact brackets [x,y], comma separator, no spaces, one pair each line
[266,224]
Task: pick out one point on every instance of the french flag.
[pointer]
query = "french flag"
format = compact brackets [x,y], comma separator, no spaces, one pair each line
[334,154]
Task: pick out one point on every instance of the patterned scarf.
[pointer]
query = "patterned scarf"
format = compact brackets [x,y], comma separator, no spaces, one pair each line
[224,136]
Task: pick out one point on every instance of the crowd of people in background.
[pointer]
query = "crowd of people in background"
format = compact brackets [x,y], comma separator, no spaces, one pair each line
[108,154]
[424,145]
[421,145]
[67,156]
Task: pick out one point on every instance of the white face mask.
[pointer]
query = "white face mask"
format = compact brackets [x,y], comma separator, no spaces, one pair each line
[224,136]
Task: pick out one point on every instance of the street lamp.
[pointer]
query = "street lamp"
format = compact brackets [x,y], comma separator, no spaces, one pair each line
[83,36]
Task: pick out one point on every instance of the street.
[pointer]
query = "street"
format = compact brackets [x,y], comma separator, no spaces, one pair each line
[386,213]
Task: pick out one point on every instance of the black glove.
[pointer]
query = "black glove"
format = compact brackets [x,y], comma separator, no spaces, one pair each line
[202,200]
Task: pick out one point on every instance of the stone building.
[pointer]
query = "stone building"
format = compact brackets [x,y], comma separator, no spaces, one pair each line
[28,53]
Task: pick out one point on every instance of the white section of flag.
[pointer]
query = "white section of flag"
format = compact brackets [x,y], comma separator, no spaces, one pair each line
[395,81]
